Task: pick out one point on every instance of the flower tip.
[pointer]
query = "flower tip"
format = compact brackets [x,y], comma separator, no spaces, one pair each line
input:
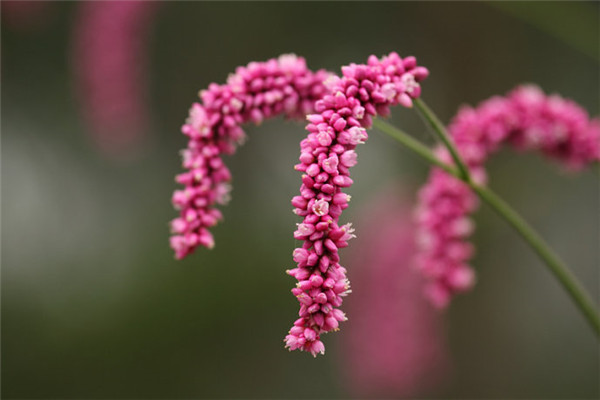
[405,100]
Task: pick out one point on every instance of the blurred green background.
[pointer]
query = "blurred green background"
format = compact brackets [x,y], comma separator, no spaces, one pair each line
[95,306]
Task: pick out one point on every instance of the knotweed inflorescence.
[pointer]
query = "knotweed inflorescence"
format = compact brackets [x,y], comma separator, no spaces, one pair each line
[526,119]
[340,109]
[327,155]
[261,90]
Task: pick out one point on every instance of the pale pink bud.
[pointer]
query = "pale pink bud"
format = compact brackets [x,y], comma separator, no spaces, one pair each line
[389,91]
[300,255]
[310,334]
[320,207]
[324,138]
[304,230]
[299,201]
[341,198]
[357,135]
[304,299]
[340,124]
[405,100]
[461,278]
[348,159]
[330,164]
[342,181]
[331,323]
[321,298]
[313,170]
[316,280]
[317,347]
[306,158]
[313,308]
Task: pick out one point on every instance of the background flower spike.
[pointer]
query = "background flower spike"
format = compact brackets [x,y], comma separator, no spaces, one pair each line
[527,119]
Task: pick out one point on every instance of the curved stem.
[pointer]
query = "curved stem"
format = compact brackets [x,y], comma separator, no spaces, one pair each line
[412,144]
[442,134]
[557,267]
[554,263]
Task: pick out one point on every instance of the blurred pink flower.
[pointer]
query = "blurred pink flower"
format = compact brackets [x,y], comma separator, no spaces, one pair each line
[110,61]
[526,118]
[395,345]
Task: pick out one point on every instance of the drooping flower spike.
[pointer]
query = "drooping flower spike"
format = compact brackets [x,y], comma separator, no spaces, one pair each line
[261,90]
[110,65]
[327,155]
[526,119]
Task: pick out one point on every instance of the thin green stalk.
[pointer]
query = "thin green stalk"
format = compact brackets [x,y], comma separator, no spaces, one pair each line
[556,266]
[440,130]
[412,144]
[554,263]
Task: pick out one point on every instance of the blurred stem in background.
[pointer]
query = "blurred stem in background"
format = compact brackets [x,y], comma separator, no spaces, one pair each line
[554,19]
[552,261]
[442,135]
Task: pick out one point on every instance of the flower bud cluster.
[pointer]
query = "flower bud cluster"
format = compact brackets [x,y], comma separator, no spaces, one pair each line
[253,93]
[527,119]
[327,155]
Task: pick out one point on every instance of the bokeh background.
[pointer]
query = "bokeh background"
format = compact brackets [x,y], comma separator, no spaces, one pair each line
[95,306]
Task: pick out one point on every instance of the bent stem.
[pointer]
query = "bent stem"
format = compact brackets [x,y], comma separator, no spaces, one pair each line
[554,263]
[442,134]
[557,267]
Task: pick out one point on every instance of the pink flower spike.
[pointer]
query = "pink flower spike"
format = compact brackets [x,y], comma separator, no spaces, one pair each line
[527,119]
[327,154]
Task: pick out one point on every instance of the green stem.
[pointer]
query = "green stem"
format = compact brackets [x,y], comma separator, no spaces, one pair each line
[556,266]
[440,131]
[412,144]
[554,263]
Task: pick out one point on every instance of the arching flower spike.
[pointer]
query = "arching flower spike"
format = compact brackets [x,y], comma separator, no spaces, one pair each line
[261,90]
[526,119]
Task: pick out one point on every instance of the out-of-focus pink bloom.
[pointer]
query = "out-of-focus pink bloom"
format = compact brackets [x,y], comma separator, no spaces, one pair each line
[527,119]
[261,90]
[110,61]
[395,346]
[25,15]
[326,156]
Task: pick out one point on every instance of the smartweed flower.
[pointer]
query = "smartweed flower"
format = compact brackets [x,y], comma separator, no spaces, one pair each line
[527,119]
[326,156]
[261,90]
